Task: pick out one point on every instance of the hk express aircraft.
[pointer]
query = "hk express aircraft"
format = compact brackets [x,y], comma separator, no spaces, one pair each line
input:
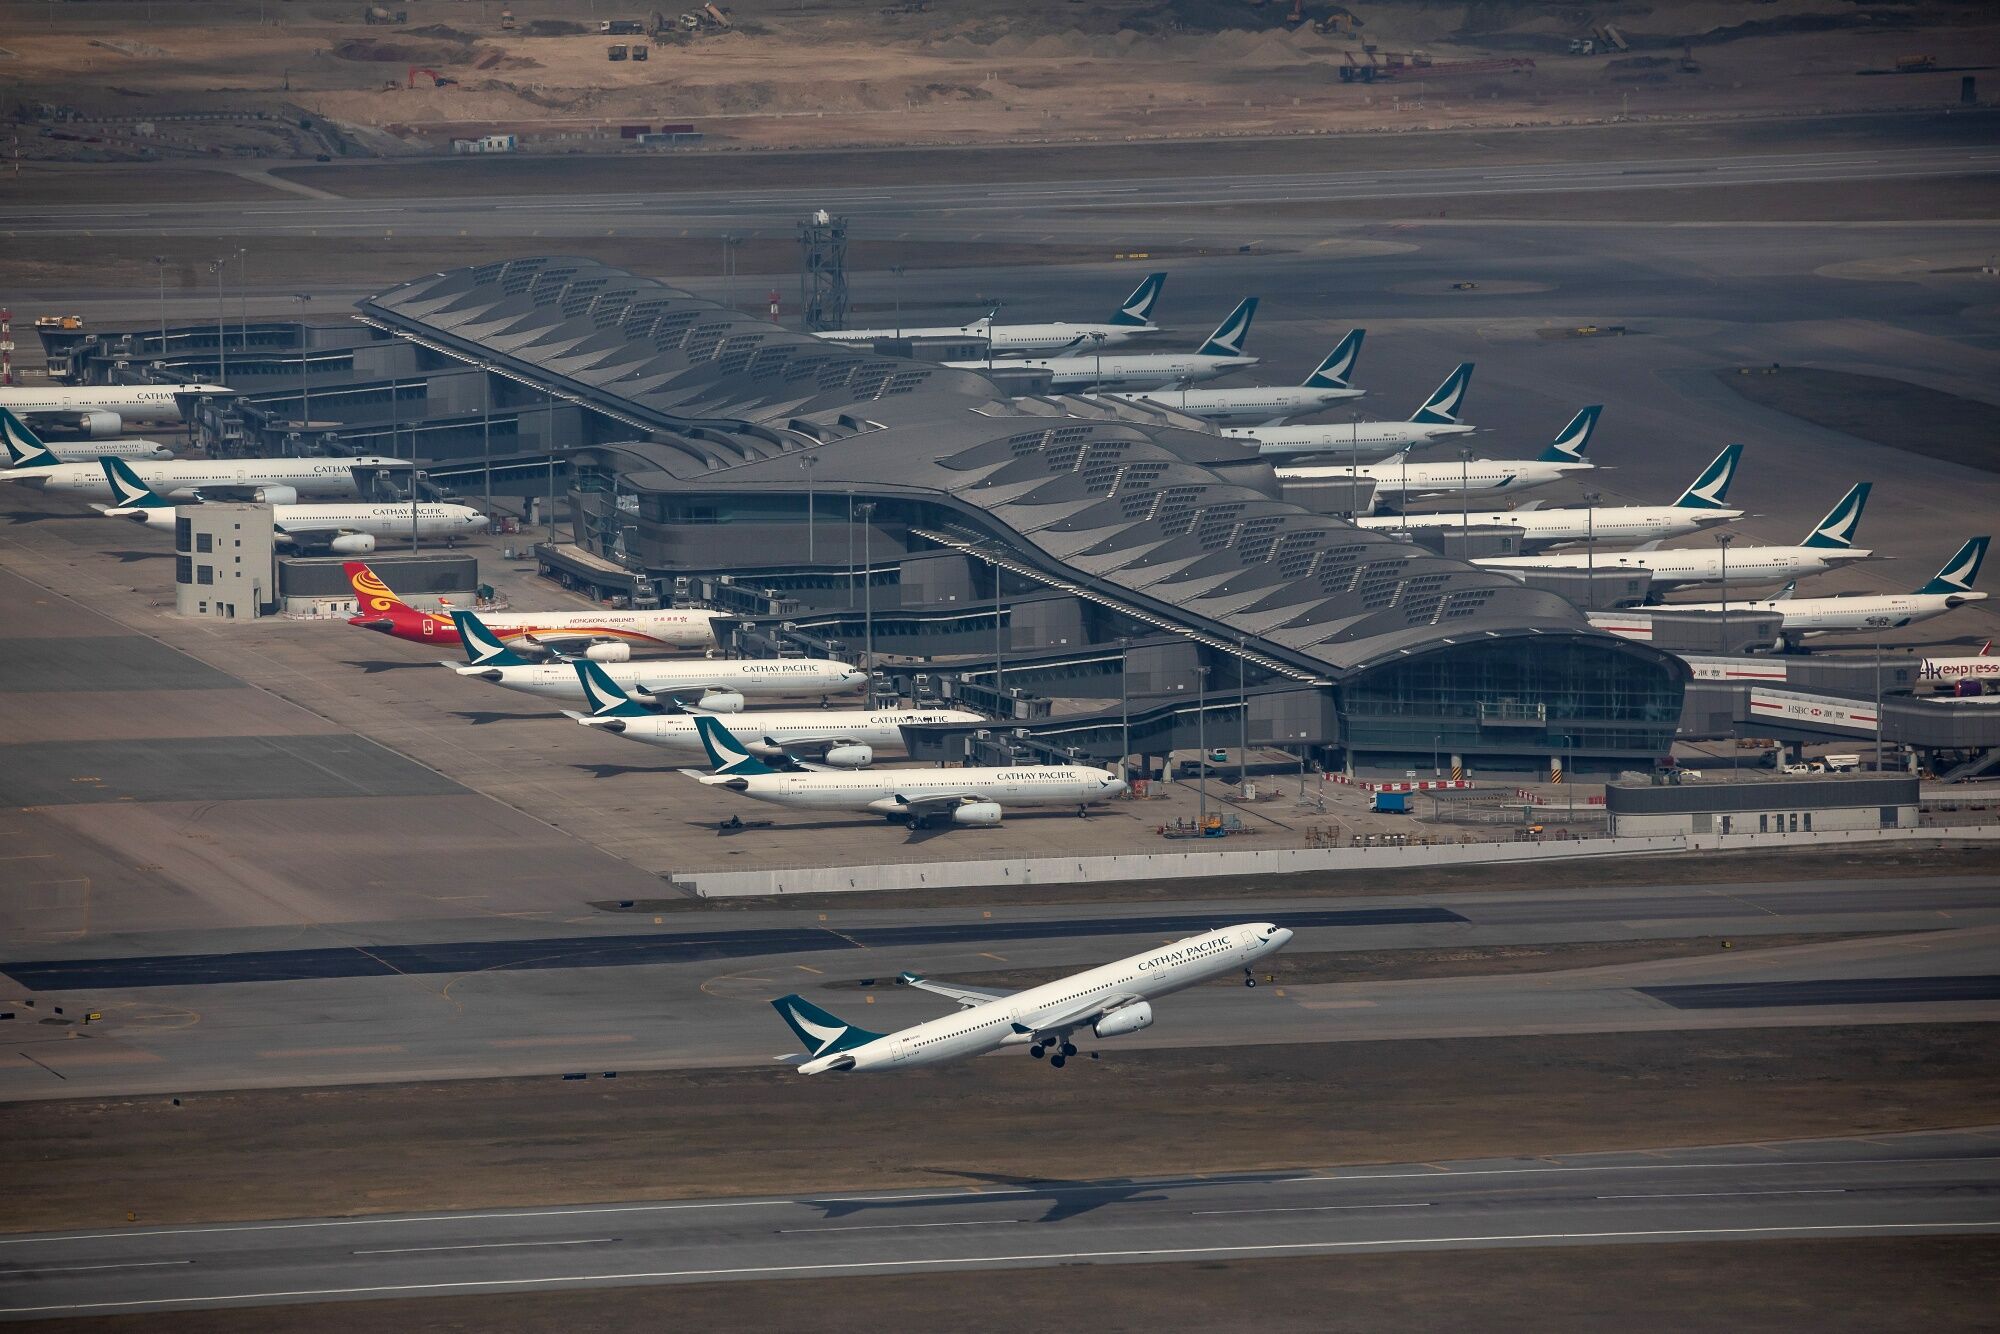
[1110,1001]
[344,529]
[28,454]
[101,411]
[1133,320]
[604,636]
[837,738]
[916,797]
[721,683]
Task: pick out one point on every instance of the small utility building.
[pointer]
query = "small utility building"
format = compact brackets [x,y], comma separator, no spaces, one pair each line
[1781,806]
[224,561]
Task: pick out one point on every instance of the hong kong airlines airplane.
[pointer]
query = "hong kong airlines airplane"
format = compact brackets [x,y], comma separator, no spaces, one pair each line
[603,636]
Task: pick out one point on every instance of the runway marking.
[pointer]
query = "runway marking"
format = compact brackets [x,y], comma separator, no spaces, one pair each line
[1310,1209]
[890,1227]
[1717,1194]
[84,1269]
[597,1039]
[284,1053]
[487,1246]
[744,1271]
[822,1201]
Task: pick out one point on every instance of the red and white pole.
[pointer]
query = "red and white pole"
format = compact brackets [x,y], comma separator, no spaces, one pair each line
[6,347]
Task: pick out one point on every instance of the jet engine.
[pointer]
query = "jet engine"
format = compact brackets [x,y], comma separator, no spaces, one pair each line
[1125,1019]
[720,701]
[609,653]
[850,756]
[98,425]
[352,544]
[977,812]
[275,495]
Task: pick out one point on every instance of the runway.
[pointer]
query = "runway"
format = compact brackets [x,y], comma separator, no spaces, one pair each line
[1923,1184]
[954,209]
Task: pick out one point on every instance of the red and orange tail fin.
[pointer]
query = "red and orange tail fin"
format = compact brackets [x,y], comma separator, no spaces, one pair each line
[370,593]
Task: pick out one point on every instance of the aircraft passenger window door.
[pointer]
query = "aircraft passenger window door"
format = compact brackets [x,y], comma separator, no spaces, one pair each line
[1764,824]
[1725,824]
[1808,822]
[1795,822]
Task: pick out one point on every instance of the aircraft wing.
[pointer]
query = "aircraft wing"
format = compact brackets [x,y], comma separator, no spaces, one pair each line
[1082,1013]
[935,803]
[965,996]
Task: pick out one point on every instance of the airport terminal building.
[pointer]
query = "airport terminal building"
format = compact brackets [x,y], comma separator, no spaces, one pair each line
[1109,579]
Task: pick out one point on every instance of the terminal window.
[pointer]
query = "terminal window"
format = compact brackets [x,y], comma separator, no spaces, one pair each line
[204,574]
[204,542]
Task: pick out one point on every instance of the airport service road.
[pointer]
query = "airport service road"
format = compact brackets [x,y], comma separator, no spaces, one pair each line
[689,994]
[1933,1183]
[950,208]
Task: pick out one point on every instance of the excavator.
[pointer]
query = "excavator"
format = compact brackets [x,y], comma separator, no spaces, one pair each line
[437,80]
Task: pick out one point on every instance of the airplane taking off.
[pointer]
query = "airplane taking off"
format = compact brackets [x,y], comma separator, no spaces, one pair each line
[1133,320]
[1366,442]
[603,636]
[1830,543]
[1327,385]
[101,411]
[721,683]
[1221,355]
[342,529]
[28,453]
[917,797]
[1949,588]
[838,738]
[1111,1000]
[1396,484]
[1699,507]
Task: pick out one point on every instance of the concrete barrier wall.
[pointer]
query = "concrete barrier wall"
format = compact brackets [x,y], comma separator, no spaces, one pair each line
[1270,861]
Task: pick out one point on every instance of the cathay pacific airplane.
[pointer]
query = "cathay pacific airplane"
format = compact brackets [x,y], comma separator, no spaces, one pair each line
[1700,506]
[28,454]
[1133,320]
[1365,442]
[1222,354]
[1110,1001]
[272,481]
[1326,386]
[916,797]
[837,738]
[101,411]
[1830,543]
[1398,483]
[349,529]
[1950,588]
[719,683]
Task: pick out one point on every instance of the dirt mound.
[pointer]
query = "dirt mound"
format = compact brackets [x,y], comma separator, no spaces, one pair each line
[398,52]
[553,28]
[441,32]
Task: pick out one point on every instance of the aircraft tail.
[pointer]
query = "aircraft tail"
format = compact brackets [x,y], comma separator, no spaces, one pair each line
[607,699]
[1229,336]
[127,491]
[483,648]
[1711,489]
[1569,444]
[823,1033]
[1442,407]
[1786,593]
[24,448]
[726,754]
[1838,527]
[371,594]
[1961,571]
[1137,312]
[1337,370]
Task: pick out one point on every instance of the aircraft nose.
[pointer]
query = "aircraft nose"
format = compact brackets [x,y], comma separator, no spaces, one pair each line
[1114,786]
[1276,936]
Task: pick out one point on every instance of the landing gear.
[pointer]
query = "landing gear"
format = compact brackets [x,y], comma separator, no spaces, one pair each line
[1036,1051]
[918,822]
[1057,1062]
[1083,812]
[1069,1049]
[1248,980]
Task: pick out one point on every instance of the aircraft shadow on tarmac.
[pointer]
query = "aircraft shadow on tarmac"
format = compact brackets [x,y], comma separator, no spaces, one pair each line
[374,665]
[612,770]
[481,717]
[1066,1199]
[130,557]
[37,516]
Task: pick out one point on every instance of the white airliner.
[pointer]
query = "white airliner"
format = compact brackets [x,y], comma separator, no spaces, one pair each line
[1982,666]
[272,481]
[720,683]
[101,411]
[838,738]
[1221,355]
[1327,385]
[1110,1001]
[1699,507]
[1830,543]
[1133,320]
[1366,442]
[1398,483]
[602,636]
[28,453]
[1950,588]
[917,797]
[348,530]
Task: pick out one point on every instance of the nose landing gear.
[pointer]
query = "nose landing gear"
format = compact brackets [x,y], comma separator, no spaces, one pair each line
[1248,980]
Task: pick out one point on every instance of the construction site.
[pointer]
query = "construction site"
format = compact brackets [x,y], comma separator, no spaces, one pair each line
[180,81]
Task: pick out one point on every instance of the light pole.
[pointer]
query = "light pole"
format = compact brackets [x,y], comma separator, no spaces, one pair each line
[867,511]
[1723,540]
[999,672]
[809,462]
[896,270]
[1097,374]
[729,270]
[1878,706]
[1464,508]
[243,295]
[1590,499]
[1354,463]
[549,441]
[1201,742]
[1124,710]
[486,430]
[1242,717]
[1437,749]
[413,486]
[221,321]
[305,370]
[850,551]
[161,262]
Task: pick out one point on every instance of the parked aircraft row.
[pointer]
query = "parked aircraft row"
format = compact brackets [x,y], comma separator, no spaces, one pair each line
[29,453]
[1134,319]
[601,636]
[100,412]
[1398,484]
[272,481]
[1950,588]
